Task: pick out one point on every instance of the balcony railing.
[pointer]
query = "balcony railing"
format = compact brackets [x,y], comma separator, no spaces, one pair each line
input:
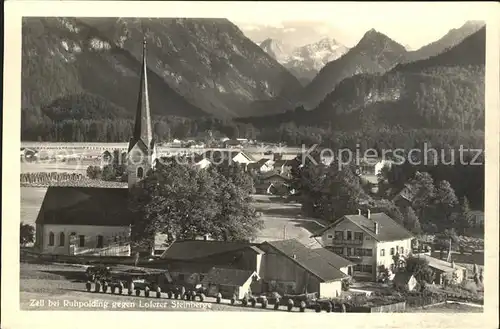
[355,259]
[338,242]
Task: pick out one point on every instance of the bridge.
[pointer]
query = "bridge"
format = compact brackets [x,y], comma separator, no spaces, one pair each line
[97,149]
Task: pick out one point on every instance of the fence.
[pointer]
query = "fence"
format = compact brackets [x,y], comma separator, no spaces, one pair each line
[398,307]
[49,177]
[419,300]
[45,180]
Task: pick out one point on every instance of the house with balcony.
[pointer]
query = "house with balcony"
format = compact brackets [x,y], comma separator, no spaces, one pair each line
[372,241]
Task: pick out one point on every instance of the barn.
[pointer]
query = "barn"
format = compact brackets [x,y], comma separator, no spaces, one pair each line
[289,267]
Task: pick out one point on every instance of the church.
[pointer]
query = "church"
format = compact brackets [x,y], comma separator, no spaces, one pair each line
[96,221]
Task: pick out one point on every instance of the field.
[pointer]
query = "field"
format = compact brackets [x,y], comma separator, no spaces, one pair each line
[59,166]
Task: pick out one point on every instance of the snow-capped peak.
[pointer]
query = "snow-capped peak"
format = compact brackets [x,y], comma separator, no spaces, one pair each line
[276,49]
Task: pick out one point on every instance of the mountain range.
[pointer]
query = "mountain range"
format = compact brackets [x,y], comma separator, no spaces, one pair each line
[442,91]
[80,68]
[304,62]
[196,66]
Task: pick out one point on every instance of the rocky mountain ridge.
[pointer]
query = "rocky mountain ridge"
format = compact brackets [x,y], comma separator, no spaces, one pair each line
[306,61]
[196,66]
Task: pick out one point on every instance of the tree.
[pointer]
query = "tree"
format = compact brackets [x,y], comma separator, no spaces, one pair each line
[411,221]
[445,201]
[419,267]
[185,203]
[423,186]
[389,208]
[94,172]
[466,219]
[442,240]
[27,234]
[108,174]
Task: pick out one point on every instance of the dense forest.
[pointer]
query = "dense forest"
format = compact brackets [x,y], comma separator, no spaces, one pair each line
[441,197]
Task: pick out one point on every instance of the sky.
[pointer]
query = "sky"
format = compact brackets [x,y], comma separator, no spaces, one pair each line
[412,24]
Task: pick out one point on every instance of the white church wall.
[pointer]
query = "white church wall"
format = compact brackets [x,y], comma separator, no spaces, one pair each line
[115,240]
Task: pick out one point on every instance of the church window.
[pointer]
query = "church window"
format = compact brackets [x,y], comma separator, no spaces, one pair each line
[51,239]
[82,240]
[61,239]
[140,172]
[99,241]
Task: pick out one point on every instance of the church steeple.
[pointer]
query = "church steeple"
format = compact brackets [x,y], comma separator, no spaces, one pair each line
[141,149]
[142,129]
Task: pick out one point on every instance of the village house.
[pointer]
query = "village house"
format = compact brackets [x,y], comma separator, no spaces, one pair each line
[283,167]
[371,241]
[96,221]
[190,260]
[272,183]
[445,271]
[280,266]
[405,197]
[216,157]
[290,267]
[263,165]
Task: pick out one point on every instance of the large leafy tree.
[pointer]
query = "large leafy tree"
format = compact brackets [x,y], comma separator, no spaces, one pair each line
[328,191]
[183,203]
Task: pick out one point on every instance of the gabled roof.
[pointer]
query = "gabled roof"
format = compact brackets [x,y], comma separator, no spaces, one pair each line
[333,258]
[85,206]
[440,264]
[227,276]
[321,264]
[408,193]
[388,229]
[195,249]
[273,174]
[225,155]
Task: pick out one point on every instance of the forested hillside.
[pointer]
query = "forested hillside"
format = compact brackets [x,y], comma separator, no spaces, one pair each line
[444,92]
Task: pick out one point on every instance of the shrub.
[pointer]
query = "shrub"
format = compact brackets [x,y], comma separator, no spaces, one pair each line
[470,287]
[289,304]
[27,234]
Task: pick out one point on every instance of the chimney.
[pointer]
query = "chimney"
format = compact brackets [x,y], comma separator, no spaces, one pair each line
[359,212]
[368,214]
[375,227]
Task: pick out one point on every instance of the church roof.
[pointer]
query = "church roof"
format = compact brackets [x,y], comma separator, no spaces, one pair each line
[95,206]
